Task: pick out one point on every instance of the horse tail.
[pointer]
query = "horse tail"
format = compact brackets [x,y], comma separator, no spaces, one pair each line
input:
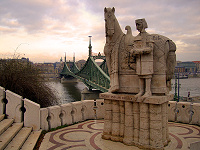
[171,60]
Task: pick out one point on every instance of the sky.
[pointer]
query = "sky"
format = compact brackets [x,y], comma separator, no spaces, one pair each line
[43,30]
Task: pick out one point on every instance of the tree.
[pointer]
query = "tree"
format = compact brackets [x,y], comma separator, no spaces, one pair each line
[19,76]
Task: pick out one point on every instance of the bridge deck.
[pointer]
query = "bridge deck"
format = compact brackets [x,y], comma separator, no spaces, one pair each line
[87,135]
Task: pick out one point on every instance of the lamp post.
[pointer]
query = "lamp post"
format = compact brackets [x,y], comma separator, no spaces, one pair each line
[17,49]
[176,87]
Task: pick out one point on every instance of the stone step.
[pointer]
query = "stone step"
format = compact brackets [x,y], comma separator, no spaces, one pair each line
[8,135]
[19,139]
[1,117]
[32,140]
[4,124]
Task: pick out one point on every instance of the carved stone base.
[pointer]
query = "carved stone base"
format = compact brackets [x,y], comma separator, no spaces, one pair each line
[143,124]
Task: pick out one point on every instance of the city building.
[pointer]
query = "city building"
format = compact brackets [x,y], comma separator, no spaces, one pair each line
[187,67]
[197,63]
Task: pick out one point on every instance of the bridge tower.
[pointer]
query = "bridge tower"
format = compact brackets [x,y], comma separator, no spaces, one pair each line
[65,58]
[74,58]
[90,46]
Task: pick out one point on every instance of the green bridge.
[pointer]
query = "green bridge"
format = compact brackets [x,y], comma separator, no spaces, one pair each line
[92,75]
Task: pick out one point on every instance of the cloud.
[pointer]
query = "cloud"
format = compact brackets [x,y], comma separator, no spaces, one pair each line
[51,26]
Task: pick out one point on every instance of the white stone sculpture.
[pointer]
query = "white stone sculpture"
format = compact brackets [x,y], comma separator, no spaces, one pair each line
[124,65]
[143,50]
[140,71]
[115,47]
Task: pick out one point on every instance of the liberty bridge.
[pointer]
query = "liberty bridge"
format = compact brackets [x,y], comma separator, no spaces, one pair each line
[91,74]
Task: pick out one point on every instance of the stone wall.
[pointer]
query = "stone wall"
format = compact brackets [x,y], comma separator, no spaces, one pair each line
[184,112]
[29,112]
[67,114]
[24,110]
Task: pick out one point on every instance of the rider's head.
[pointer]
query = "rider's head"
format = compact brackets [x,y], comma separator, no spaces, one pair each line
[141,25]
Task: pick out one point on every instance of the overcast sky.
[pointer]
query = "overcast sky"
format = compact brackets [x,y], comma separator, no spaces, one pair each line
[43,30]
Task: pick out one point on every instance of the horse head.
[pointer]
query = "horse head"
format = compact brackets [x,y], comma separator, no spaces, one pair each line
[109,21]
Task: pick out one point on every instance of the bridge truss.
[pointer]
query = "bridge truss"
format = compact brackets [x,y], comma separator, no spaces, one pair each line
[92,75]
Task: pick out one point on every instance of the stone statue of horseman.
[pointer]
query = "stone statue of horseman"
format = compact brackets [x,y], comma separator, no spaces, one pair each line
[122,63]
[141,69]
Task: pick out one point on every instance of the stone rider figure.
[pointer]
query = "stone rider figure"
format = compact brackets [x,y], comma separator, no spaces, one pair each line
[142,49]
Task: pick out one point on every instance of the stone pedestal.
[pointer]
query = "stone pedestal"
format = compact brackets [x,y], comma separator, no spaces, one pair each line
[143,124]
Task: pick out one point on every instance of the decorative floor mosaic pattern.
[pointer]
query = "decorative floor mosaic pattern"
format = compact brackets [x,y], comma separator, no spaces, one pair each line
[87,136]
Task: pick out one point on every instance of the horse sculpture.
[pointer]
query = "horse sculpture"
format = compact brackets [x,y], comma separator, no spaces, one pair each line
[114,37]
[122,64]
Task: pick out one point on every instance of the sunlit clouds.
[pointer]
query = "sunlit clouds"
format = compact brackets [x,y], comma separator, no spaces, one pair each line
[49,28]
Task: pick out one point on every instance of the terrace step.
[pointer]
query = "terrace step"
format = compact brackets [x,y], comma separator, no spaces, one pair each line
[5,124]
[32,140]
[19,139]
[8,135]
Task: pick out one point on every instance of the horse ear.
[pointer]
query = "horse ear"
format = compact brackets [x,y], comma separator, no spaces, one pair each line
[105,9]
[113,9]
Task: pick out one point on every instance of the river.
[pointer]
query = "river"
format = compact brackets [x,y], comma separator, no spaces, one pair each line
[67,92]
[71,92]
[191,85]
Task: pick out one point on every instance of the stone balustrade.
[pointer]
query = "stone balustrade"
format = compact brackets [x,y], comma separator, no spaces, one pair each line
[29,112]
[184,112]
[24,110]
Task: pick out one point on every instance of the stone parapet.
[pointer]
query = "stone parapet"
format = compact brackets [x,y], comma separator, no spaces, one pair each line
[32,119]
[186,112]
[2,91]
[43,119]
[29,112]
[54,119]
[66,115]
[13,107]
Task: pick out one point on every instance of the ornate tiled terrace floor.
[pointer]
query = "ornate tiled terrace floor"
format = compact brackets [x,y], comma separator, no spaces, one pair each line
[87,136]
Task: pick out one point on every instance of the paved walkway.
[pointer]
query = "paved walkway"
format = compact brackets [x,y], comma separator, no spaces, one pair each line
[87,136]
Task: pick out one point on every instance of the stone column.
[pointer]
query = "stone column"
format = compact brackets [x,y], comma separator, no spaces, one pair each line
[128,126]
[115,121]
[122,119]
[166,139]
[156,132]
[136,123]
[144,124]
[107,120]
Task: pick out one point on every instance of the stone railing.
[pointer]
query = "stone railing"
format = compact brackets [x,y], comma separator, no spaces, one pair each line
[24,110]
[184,112]
[52,117]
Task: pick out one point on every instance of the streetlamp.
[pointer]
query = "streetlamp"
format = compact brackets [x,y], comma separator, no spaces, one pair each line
[176,87]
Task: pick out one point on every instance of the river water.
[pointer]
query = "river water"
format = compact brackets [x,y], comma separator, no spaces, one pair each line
[67,92]
[191,85]
[71,92]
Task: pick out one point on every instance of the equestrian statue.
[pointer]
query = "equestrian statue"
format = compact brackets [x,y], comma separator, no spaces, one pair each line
[142,65]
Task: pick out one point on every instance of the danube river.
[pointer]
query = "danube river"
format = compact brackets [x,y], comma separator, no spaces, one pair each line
[191,85]
[67,92]
[70,92]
